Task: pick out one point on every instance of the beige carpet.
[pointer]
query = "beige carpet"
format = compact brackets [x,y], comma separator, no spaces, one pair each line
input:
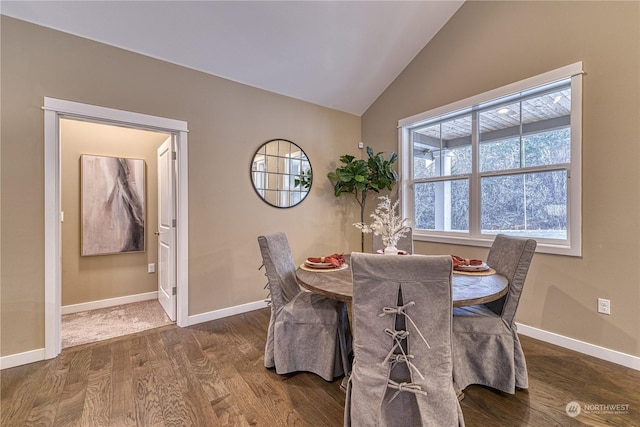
[96,325]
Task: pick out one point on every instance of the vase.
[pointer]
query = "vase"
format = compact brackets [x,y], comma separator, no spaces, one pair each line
[390,250]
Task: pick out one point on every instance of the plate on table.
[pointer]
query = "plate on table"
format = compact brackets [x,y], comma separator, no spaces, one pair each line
[400,252]
[318,265]
[481,267]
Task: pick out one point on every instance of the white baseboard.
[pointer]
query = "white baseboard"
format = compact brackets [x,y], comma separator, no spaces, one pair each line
[603,353]
[19,359]
[613,356]
[110,302]
[226,312]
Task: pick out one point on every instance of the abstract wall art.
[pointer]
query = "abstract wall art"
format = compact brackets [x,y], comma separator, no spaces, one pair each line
[113,205]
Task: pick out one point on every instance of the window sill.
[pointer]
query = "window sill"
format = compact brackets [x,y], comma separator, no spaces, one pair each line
[544,246]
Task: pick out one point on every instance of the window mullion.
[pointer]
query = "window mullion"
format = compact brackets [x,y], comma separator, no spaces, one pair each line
[533,169]
[407,195]
[474,184]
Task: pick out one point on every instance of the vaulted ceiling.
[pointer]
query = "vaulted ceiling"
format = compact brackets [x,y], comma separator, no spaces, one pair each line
[338,54]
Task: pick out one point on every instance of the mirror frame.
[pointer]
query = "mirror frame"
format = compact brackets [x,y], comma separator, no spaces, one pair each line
[283,189]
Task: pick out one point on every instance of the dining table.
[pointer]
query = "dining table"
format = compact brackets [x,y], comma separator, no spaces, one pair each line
[468,288]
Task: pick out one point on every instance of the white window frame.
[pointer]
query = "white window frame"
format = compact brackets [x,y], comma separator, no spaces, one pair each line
[288,190]
[572,246]
[260,175]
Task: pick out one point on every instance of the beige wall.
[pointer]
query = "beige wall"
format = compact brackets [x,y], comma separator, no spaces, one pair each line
[490,44]
[93,278]
[227,122]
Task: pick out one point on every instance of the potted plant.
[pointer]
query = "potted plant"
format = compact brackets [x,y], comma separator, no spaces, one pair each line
[359,177]
[304,180]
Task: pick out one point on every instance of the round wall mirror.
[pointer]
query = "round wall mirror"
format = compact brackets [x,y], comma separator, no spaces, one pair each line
[281,173]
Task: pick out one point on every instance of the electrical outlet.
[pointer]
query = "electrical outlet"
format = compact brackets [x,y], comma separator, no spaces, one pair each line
[151,268]
[360,144]
[604,306]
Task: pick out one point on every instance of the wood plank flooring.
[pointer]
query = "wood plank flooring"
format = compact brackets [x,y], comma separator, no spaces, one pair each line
[212,374]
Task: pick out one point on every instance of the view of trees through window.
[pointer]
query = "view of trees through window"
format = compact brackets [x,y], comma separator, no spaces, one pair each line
[522,166]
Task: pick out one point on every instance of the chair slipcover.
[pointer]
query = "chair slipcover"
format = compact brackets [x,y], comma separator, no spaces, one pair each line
[404,244]
[486,348]
[303,329]
[397,379]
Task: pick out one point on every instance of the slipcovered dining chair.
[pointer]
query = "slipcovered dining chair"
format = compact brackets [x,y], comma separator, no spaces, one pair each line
[303,329]
[402,370]
[404,244]
[486,348]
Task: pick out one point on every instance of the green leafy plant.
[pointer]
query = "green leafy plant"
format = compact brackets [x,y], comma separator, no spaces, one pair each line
[359,177]
[303,180]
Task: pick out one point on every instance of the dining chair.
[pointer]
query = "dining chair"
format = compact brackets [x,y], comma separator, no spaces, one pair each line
[303,330]
[405,243]
[402,370]
[486,347]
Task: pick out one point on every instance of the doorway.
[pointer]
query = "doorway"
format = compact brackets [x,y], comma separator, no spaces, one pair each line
[104,280]
[57,110]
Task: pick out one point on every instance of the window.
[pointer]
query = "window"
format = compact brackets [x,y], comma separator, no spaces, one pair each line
[296,165]
[259,175]
[507,161]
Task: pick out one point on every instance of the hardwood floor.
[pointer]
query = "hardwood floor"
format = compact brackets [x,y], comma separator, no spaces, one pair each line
[212,375]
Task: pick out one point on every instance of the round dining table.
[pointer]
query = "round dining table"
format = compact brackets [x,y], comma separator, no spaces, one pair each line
[467,288]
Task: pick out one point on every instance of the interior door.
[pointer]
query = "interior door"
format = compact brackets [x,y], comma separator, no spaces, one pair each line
[166,228]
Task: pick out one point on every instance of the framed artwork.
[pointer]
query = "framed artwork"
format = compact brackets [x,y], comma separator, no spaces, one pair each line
[113,205]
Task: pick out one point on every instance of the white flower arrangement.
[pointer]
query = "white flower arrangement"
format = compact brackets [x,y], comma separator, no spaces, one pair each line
[386,223]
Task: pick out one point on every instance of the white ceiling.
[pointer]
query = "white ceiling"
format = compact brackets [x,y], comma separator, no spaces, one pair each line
[338,54]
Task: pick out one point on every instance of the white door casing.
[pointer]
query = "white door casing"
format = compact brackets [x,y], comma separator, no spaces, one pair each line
[54,109]
[166,230]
